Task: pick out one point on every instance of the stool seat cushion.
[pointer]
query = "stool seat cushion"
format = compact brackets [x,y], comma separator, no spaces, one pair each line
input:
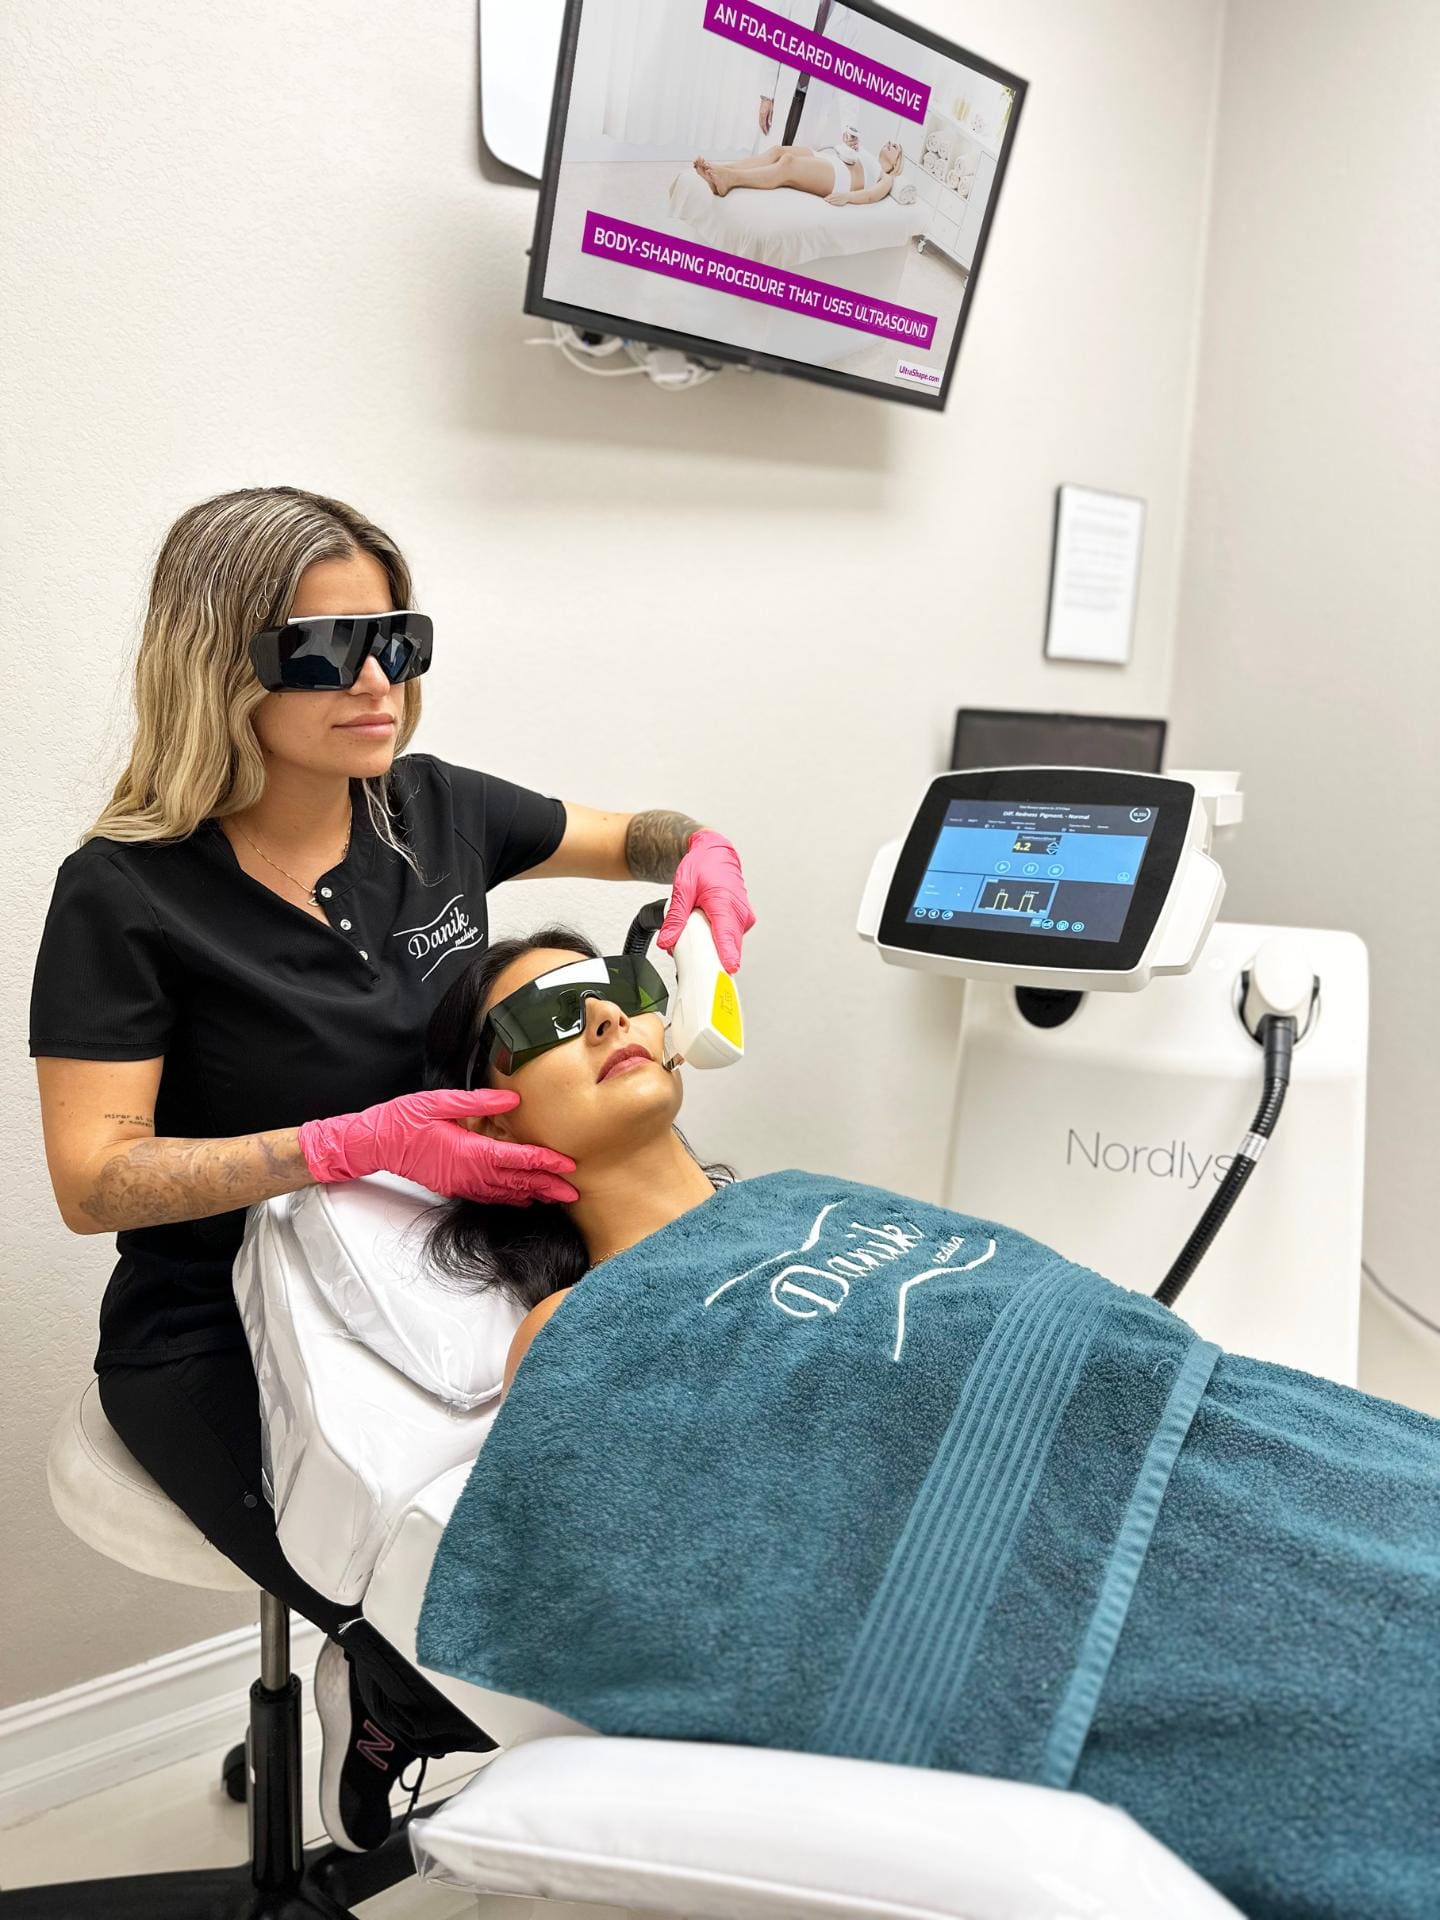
[104,1495]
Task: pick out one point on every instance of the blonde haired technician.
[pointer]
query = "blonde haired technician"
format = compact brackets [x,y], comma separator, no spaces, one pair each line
[230,1002]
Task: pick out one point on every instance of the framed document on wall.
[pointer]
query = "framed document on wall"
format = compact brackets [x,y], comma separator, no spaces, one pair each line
[1094,576]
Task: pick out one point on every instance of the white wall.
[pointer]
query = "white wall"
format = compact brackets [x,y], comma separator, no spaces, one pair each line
[255,246]
[1309,649]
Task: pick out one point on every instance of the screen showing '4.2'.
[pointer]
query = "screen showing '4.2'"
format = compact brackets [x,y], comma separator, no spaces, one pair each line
[1035,868]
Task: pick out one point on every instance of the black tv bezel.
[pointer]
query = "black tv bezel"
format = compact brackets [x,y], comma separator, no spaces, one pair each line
[593,321]
[1173,800]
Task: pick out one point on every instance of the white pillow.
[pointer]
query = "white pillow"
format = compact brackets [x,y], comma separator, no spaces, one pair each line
[362,1242]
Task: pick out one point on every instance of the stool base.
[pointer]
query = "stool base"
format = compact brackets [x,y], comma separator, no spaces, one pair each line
[280,1881]
[330,1885]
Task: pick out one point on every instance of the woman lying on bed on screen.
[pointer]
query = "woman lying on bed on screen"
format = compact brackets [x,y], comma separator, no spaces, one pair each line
[799,1463]
[846,175]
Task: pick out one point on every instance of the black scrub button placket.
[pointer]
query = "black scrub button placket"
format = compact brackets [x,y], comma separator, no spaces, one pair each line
[346,925]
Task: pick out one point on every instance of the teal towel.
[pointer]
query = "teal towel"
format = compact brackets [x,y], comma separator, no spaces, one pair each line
[824,1468]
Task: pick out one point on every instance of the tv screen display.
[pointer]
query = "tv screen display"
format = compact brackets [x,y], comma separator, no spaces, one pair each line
[804,186]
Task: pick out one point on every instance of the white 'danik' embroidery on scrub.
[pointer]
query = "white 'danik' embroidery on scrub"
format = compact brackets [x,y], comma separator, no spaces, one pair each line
[451,931]
[804,1290]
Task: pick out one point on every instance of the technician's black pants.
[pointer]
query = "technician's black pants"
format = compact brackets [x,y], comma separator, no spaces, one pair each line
[194,1425]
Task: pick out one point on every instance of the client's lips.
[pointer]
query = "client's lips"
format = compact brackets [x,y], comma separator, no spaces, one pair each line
[625,1054]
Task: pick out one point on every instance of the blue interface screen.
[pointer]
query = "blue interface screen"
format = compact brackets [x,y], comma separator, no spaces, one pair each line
[1043,868]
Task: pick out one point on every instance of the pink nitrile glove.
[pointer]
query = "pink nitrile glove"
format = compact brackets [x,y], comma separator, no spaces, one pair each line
[417,1136]
[709,878]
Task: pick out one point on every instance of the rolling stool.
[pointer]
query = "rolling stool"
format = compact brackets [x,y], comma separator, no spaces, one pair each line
[106,1497]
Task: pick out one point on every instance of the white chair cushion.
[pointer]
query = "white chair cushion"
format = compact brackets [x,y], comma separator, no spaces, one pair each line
[740,1833]
[362,1241]
[350,1440]
[364,1465]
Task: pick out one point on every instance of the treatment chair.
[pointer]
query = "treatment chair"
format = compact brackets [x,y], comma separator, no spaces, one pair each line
[378,1386]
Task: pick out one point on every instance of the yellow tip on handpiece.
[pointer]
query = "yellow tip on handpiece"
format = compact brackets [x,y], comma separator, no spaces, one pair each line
[725,1012]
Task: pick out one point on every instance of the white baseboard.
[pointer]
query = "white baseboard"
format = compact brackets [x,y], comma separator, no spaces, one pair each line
[121,1725]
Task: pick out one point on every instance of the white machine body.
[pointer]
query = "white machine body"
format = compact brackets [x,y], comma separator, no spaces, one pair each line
[706,1026]
[1107,1136]
[1104,1128]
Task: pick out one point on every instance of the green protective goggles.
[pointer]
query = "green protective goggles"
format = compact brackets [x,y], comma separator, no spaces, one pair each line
[551,1010]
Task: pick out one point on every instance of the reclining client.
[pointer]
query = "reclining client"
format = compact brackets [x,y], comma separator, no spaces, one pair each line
[846,175]
[799,1463]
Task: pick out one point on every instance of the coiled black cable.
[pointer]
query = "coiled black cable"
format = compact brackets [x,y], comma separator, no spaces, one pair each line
[1277,1035]
[644,927]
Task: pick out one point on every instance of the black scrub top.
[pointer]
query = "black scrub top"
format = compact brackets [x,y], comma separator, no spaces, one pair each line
[265,1016]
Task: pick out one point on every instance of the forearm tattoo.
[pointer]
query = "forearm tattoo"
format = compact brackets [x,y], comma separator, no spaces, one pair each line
[152,1183]
[655,844]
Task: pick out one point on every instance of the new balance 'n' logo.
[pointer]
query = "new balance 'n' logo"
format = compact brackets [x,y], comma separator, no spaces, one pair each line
[375,1746]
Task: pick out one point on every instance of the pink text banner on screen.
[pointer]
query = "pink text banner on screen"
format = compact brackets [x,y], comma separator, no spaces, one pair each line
[651,251]
[770,33]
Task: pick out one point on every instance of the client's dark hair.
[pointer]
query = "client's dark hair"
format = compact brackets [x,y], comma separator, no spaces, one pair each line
[526,1252]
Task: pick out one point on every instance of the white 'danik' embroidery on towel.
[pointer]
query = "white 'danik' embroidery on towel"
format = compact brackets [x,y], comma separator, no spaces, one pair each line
[804,1290]
[451,931]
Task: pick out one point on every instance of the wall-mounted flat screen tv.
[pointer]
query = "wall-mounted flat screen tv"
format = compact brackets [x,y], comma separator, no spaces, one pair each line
[805,186]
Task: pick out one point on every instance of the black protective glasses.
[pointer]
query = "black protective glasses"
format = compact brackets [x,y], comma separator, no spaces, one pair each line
[551,1010]
[329,652]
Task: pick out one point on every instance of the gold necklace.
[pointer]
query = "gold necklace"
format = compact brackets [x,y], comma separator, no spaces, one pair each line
[309,892]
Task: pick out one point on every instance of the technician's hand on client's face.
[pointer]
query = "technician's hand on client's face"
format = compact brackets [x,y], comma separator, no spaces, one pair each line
[417,1136]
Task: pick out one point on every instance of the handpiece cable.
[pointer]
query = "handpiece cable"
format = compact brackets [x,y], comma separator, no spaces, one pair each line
[1276,1033]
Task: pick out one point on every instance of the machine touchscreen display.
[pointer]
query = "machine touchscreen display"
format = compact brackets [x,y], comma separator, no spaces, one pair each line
[1041,867]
